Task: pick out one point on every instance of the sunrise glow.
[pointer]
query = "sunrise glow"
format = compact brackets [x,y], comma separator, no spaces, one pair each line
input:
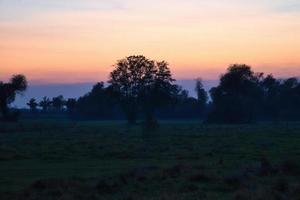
[79,40]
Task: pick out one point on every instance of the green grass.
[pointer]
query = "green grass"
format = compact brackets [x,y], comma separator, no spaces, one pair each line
[92,151]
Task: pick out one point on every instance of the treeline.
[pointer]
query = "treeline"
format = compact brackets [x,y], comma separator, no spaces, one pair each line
[99,104]
[244,96]
[140,88]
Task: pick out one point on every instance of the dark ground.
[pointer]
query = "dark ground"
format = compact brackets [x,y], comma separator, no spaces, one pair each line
[181,160]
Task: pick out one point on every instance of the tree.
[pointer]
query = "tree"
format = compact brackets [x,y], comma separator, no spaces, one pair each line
[157,91]
[58,102]
[32,104]
[142,84]
[99,103]
[45,103]
[8,91]
[71,105]
[202,96]
[271,98]
[185,106]
[290,99]
[238,97]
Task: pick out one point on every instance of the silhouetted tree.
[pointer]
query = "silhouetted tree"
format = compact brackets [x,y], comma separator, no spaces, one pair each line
[32,105]
[45,104]
[238,97]
[99,103]
[58,102]
[271,99]
[202,96]
[185,107]
[142,84]
[157,91]
[281,98]
[290,99]
[8,91]
[71,105]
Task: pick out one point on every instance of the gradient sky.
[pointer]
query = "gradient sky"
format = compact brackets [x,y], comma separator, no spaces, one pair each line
[80,40]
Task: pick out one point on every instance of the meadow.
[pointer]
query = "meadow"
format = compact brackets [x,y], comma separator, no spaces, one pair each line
[61,159]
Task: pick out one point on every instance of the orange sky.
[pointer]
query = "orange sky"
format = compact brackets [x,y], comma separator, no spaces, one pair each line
[80,40]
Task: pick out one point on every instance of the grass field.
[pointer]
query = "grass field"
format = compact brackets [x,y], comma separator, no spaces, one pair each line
[181,160]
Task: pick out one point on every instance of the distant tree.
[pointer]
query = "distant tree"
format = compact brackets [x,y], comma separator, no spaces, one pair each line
[142,84]
[202,96]
[157,91]
[45,104]
[185,107]
[58,102]
[183,95]
[98,103]
[8,91]
[290,99]
[238,97]
[71,105]
[271,99]
[32,104]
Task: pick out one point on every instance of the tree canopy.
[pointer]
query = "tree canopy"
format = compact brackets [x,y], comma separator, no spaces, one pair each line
[141,88]
[8,91]
[238,96]
[141,83]
[32,104]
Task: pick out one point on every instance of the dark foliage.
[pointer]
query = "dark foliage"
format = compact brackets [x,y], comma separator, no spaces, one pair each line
[184,107]
[238,96]
[244,96]
[99,103]
[281,98]
[202,97]
[142,85]
[8,91]
[140,88]
[45,104]
[58,103]
[71,104]
[32,105]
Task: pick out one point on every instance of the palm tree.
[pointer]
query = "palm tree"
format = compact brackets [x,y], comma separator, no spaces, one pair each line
[32,104]
[58,102]
[45,103]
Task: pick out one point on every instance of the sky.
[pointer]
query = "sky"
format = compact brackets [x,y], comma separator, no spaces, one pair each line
[77,41]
